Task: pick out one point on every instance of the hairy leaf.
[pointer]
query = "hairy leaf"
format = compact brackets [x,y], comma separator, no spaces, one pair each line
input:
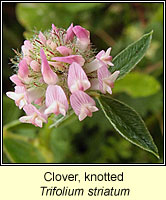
[128,123]
[127,59]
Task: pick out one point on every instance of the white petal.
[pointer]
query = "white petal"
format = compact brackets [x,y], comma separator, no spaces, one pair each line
[108,89]
[82,116]
[80,85]
[62,111]
[93,108]
[108,52]
[114,76]
[22,103]
[12,95]
[26,119]
[51,109]
[38,122]
[92,66]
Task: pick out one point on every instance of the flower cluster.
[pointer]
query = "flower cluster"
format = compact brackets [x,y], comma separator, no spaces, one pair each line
[55,72]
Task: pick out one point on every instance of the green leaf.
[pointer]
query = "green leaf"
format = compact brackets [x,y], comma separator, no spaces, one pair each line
[128,123]
[21,151]
[137,85]
[143,105]
[127,59]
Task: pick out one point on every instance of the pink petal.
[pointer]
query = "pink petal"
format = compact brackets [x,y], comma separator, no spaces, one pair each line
[83,37]
[82,104]
[108,51]
[104,57]
[103,73]
[53,45]
[57,65]
[77,79]
[106,79]
[19,96]
[81,33]
[56,100]
[42,38]
[23,70]
[69,33]
[54,29]
[38,101]
[114,76]
[70,59]
[30,109]
[35,66]
[65,51]
[28,59]
[34,116]
[100,54]
[26,48]
[92,66]
[49,76]
[28,45]
[20,89]
[15,79]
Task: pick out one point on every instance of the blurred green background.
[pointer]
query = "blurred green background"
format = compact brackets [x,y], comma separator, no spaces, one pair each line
[93,140]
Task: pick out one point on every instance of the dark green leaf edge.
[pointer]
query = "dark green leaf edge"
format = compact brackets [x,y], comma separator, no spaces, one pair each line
[112,69]
[155,153]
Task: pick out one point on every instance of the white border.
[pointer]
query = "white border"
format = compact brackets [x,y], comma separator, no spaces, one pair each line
[52,164]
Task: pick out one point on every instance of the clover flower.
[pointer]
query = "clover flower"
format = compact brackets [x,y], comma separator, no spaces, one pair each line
[56,71]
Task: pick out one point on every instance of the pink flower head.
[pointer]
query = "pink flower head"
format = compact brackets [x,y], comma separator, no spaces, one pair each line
[65,51]
[20,96]
[82,104]
[69,33]
[70,59]
[15,79]
[57,66]
[106,79]
[77,78]
[23,70]
[42,38]
[49,76]
[83,37]
[34,116]
[105,57]
[56,100]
